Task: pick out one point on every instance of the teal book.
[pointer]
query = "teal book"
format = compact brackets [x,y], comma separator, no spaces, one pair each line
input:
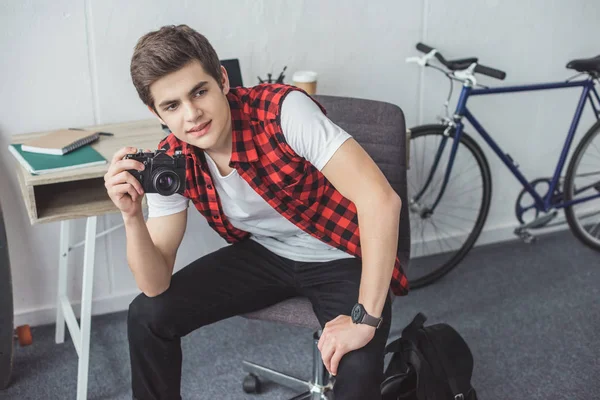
[38,163]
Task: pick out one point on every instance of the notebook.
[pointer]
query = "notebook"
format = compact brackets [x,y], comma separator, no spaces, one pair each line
[60,142]
[38,164]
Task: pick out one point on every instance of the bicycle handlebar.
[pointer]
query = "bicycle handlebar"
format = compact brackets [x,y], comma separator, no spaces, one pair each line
[494,73]
[423,48]
[482,69]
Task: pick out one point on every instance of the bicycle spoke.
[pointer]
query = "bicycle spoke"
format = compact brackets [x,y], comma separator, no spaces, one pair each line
[462,172]
[465,208]
[596,157]
[448,236]
[597,150]
[463,192]
[453,216]
[460,230]
[453,173]
[594,228]
[443,240]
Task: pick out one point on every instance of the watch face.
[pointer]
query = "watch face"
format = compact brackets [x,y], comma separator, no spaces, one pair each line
[357,313]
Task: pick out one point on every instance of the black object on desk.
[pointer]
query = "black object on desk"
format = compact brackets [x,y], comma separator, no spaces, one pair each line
[233,72]
[99,133]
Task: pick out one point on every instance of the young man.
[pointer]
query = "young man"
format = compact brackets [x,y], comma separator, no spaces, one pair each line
[282,183]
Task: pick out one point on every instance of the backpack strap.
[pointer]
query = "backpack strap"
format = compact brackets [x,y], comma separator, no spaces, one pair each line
[413,356]
[410,332]
[410,356]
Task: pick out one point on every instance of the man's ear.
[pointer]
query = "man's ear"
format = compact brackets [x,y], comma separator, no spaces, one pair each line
[156,115]
[224,80]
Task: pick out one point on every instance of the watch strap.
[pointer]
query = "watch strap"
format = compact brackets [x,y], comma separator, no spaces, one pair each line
[371,320]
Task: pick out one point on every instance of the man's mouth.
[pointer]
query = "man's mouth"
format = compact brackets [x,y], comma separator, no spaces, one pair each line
[201,129]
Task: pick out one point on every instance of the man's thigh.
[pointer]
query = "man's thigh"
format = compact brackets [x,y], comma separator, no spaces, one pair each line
[233,280]
[333,287]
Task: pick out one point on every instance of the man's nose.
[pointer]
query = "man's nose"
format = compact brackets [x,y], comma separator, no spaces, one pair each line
[192,112]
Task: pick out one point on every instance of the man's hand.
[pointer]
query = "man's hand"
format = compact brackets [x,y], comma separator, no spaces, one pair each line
[341,336]
[122,187]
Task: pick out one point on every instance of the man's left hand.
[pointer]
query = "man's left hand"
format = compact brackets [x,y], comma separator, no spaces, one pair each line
[341,336]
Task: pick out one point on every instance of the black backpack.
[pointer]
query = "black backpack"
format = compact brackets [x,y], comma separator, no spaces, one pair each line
[428,363]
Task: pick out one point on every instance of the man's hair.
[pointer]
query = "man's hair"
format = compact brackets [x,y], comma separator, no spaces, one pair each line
[167,50]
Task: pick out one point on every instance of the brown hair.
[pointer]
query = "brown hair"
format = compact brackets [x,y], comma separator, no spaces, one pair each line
[167,50]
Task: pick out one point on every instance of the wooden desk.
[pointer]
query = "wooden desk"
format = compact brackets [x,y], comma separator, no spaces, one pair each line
[80,193]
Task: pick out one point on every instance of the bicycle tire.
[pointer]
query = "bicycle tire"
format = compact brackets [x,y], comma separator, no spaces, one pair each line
[577,229]
[459,255]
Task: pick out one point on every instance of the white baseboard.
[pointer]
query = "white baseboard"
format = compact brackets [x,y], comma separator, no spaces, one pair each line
[47,315]
[120,301]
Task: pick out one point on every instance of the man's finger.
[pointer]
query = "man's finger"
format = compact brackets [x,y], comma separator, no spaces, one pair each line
[326,354]
[124,188]
[335,360]
[122,153]
[126,177]
[124,165]
[322,340]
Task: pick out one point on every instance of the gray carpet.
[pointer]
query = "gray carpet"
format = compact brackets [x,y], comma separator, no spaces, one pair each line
[530,313]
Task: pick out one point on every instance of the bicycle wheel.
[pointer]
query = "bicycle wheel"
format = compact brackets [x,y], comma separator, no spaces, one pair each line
[441,237]
[583,180]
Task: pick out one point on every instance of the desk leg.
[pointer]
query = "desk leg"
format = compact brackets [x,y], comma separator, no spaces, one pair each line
[62,280]
[86,307]
[80,333]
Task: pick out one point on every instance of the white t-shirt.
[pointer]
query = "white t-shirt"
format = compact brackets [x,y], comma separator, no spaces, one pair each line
[313,136]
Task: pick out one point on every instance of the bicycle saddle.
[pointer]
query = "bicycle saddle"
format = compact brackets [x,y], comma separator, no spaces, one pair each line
[591,65]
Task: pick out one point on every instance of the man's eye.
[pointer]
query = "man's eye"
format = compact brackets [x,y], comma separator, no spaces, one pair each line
[200,92]
[172,107]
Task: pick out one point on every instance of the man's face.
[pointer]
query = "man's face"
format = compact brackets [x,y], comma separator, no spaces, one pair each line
[191,103]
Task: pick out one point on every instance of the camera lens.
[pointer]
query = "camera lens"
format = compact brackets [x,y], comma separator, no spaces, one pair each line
[166,182]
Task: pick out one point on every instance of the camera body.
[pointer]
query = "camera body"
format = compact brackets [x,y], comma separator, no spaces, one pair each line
[162,174]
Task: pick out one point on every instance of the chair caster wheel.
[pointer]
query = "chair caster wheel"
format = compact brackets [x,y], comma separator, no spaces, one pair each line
[251,384]
[23,334]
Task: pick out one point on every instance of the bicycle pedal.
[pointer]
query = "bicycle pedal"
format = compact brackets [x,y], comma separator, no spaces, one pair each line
[525,236]
[529,239]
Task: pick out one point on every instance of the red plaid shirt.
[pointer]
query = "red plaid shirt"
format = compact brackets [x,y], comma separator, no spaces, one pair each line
[288,182]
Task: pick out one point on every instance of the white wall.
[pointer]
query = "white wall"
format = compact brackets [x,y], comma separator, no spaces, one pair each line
[66,63]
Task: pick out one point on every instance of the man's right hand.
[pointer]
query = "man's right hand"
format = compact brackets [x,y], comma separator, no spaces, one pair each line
[122,187]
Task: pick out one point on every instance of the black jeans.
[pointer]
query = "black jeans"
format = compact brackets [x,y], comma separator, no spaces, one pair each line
[238,279]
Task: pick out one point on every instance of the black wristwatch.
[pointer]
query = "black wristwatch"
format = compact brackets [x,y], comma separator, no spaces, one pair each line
[360,316]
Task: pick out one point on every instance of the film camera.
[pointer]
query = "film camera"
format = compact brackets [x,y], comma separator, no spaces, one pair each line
[162,174]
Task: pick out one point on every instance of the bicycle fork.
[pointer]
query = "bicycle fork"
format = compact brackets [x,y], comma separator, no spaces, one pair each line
[415,204]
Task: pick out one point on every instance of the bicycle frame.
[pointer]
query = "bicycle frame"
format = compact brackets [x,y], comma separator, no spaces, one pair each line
[550,200]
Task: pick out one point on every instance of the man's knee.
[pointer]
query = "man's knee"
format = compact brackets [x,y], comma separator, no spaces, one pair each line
[360,373]
[153,313]
[361,364]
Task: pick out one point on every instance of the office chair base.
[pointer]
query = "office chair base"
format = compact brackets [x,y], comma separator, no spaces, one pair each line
[319,388]
[311,390]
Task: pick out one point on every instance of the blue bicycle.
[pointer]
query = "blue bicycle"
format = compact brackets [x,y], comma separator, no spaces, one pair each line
[450,184]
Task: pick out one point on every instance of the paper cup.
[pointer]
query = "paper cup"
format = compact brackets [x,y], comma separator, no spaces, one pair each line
[306,80]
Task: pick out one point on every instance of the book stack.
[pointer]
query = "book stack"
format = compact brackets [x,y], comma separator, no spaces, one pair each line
[60,150]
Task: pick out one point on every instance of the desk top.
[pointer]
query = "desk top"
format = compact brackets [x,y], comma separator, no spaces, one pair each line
[141,134]
[80,192]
